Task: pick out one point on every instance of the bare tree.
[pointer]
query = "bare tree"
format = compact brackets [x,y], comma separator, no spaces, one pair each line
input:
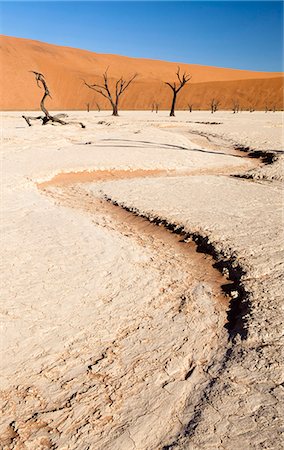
[214,105]
[98,106]
[88,107]
[155,107]
[182,80]
[236,106]
[272,108]
[120,87]
[190,106]
[252,105]
[47,117]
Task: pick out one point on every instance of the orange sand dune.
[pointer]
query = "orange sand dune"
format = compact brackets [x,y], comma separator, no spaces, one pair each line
[65,68]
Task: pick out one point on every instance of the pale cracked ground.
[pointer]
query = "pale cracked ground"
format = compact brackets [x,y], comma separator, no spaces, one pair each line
[113,332]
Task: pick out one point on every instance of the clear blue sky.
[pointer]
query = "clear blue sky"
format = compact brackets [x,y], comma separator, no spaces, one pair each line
[244,35]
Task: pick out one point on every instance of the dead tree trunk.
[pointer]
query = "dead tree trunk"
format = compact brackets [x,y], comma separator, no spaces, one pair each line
[47,117]
[190,106]
[115,109]
[88,107]
[120,87]
[182,81]
[172,111]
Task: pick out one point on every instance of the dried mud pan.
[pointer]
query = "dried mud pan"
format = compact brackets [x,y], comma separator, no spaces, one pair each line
[144,284]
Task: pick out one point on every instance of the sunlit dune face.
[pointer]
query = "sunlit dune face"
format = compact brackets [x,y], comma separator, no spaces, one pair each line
[65,68]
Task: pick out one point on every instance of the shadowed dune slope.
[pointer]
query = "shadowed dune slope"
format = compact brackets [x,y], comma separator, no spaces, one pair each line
[65,68]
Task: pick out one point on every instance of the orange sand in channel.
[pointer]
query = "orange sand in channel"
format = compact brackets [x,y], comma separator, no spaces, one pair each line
[68,178]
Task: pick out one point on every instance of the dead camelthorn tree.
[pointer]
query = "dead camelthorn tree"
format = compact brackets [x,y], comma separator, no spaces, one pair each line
[47,116]
[176,87]
[252,105]
[190,106]
[120,87]
[236,106]
[155,107]
[88,107]
[214,105]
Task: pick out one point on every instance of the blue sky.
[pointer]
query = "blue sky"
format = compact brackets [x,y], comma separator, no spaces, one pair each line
[244,35]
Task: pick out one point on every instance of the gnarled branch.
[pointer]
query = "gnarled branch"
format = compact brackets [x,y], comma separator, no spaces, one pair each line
[47,116]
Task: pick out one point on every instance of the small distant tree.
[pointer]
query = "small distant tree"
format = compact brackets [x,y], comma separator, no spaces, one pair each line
[176,87]
[155,107]
[236,106]
[120,87]
[190,106]
[252,105]
[267,108]
[98,106]
[214,105]
[88,107]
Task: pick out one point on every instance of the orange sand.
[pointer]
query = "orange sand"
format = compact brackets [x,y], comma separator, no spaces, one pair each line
[64,69]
